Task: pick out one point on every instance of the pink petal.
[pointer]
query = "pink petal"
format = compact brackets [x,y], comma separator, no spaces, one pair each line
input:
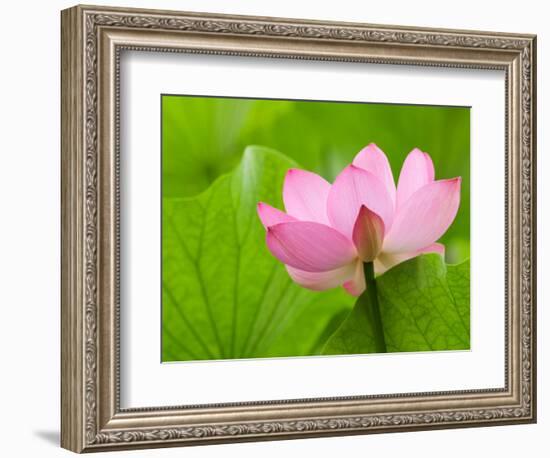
[271,216]
[372,159]
[425,216]
[417,171]
[438,248]
[305,196]
[386,261]
[368,234]
[320,281]
[357,284]
[308,246]
[352,188]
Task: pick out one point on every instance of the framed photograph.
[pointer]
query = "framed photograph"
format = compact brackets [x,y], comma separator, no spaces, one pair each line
[278,228]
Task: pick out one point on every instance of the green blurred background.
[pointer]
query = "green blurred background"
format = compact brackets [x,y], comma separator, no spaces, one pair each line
[204,137]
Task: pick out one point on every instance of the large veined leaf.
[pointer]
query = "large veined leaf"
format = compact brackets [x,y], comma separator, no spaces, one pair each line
[424,305]
[224,295]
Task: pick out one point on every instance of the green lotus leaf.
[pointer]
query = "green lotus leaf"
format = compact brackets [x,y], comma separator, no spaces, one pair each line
[223,294]
[424,305]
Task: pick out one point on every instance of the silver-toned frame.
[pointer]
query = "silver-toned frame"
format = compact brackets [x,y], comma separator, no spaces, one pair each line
[92,39]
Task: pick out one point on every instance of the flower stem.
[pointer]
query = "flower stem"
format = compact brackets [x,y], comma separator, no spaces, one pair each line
[373,308]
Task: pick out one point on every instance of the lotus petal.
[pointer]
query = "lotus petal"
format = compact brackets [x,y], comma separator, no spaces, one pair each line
[305,196]
[308,246]
[320,281]
[372,159]
[425,217]
[353,188]
[357,284]
[368,234]
[270,215]
[417,171]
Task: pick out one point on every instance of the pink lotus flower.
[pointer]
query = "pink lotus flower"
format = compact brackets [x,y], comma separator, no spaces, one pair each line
[329,231]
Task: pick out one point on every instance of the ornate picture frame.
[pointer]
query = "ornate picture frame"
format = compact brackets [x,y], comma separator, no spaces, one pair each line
[92,41]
